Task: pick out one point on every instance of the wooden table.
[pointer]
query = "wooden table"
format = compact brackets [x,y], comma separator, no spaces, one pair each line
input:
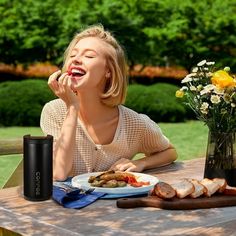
[104,218]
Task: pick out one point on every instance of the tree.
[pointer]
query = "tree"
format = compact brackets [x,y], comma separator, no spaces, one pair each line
[153,32]
[28,31]
[189,31]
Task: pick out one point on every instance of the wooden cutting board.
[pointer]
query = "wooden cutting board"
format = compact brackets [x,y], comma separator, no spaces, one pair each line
[178,204]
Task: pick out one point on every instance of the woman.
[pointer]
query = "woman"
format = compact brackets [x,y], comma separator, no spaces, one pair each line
[92,130]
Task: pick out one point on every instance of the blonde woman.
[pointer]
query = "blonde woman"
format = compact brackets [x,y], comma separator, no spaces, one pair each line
[92,130]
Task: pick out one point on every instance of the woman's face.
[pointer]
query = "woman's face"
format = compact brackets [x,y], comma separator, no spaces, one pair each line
[87,63]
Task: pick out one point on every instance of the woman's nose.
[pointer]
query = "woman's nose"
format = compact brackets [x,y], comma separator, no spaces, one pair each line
[77,59]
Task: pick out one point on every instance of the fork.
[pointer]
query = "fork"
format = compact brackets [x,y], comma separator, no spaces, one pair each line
[69,188]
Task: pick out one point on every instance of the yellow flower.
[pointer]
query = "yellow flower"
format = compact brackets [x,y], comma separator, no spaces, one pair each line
[179,93]
[222,79]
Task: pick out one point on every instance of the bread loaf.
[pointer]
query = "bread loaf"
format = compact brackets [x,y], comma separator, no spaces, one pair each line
[199,189]
[183,188]
[210,186]
[222,184]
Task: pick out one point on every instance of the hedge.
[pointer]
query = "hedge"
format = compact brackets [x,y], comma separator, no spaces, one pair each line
[158,101]
[21,102]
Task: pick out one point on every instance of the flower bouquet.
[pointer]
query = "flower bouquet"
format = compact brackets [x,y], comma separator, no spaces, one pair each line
[212,96]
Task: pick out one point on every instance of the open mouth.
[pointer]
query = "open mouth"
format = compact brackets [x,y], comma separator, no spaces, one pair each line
[76,72]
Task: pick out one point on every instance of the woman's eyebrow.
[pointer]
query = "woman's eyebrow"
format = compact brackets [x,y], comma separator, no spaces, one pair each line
[84,50]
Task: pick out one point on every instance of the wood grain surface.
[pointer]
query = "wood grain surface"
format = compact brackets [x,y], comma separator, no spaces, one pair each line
[178,204]
[103,217]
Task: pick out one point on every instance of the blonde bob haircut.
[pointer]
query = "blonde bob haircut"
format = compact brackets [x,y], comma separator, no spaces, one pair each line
[115,86]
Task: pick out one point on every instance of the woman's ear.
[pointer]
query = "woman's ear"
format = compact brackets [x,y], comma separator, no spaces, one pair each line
[108,74]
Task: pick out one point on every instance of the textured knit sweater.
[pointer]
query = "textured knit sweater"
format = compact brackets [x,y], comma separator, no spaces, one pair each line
[135,133]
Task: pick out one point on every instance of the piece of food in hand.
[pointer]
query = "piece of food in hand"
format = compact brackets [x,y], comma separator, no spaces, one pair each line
[222,184]
[211,187]
[163,190]
[199,189]
[183,188]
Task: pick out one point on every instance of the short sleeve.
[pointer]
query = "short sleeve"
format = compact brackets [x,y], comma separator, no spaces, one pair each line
[50,121]
[153,140]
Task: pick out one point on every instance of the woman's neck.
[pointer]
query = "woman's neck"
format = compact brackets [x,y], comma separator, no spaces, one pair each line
[93,111]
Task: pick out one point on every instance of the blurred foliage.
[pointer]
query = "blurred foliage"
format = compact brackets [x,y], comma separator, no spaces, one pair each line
[21,102]
[158,101]
[154,32]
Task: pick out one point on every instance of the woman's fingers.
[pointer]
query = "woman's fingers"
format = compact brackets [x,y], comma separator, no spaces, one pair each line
[59,83]
[125,166]
[52,81]
[54,76]
[122,165]
[128,165]
[116,164]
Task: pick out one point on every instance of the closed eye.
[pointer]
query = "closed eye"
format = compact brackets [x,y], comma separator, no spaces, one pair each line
[88,56]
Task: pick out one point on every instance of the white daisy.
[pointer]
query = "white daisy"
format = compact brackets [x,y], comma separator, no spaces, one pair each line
[201,63]
[215,99]
[204,108]
[218,90]
[210,63]
[186,80]
[207,89]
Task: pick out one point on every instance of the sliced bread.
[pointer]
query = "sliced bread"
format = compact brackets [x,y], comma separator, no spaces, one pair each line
[211,186]
[199,189]
[221,182]
[183,188]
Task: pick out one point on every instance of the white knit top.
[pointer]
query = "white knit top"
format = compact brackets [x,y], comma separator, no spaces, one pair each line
[135,133]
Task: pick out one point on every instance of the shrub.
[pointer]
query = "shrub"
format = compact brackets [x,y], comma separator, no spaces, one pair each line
[158,101]
[21,102]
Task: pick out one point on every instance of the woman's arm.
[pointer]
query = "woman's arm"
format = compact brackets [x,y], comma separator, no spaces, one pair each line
[157,159]
[65,146]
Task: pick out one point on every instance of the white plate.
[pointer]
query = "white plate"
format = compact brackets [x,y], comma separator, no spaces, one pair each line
[81,181]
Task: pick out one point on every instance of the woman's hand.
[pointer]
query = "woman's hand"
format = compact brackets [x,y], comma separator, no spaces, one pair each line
[128,165]
[61,84]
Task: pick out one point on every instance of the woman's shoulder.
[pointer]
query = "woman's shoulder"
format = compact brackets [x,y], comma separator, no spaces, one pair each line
[59,103]
[133,116]
[55,106]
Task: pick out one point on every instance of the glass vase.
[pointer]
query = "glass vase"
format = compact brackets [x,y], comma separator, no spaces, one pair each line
[221,157]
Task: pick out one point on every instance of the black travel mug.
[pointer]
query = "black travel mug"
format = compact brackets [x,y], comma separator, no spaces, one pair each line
[38,151]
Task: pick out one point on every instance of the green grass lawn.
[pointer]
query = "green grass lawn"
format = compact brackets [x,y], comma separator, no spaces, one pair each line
[189,139]
[10,162]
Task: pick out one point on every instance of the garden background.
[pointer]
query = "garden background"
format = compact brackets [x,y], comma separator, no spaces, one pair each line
[163,40]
